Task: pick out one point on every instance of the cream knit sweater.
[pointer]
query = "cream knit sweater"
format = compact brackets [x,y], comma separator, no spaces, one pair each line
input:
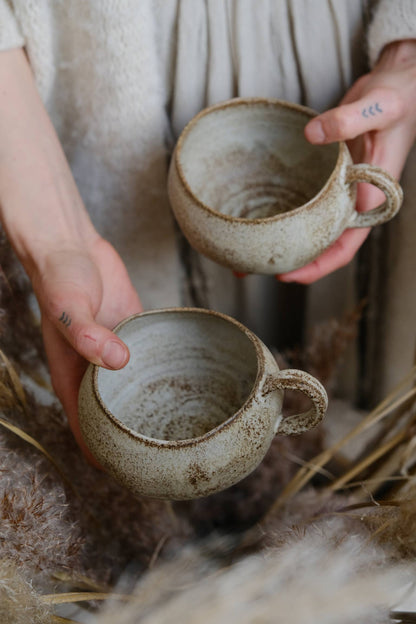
[121,78]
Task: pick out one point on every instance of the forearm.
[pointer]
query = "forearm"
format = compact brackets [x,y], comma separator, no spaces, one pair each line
[40,207]
[391,22]
[398,54]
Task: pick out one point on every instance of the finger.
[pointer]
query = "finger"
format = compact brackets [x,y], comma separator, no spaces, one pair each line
[377,110]
[335,257]
[72,317]
[67,369]
[388,149]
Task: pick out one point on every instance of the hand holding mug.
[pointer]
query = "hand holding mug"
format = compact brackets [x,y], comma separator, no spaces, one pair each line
[251,193]
[377,118]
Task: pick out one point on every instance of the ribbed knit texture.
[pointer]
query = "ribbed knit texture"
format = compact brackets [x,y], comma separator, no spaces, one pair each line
[10,35]
[392,21]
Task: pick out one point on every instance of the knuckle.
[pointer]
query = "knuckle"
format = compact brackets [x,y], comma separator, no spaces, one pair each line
[57,311]
[85,342]
[55,306]
[397,105]
[392,101]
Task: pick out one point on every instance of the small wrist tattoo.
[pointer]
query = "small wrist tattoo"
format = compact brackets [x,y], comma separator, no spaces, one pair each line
[65,319]
[372,110]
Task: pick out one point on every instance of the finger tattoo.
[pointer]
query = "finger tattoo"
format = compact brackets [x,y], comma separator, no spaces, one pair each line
[65,319]
[372,110]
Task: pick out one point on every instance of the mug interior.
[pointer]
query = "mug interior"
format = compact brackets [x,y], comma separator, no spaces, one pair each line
[251,160]
[188,372]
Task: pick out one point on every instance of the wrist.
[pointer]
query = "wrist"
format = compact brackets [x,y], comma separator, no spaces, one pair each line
[40,206]
[40,226]
[398,53]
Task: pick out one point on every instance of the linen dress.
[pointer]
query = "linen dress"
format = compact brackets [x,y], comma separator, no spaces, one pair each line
[120,79]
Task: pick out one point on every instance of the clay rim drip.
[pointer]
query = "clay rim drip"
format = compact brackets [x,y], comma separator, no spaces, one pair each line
[249,102]
[209,434]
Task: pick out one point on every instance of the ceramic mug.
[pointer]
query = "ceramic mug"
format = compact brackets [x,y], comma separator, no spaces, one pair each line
[251,193]
[195,409]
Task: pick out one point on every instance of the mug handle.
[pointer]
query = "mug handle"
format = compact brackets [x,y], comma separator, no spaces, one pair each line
[386,183]
[293,379]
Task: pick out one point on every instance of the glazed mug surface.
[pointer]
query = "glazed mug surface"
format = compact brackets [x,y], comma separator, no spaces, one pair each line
[195,409]
[251,193]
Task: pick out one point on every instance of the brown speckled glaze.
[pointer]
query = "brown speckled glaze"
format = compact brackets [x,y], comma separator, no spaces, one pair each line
[251,193]
[195,409]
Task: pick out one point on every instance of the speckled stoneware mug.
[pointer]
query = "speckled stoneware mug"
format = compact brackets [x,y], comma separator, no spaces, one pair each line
[251,193]
[195,409]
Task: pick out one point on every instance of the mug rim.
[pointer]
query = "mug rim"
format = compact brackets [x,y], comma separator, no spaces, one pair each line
[249,101]
[186,442]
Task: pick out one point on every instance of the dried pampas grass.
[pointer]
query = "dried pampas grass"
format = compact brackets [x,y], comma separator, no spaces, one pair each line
[319,578]
[318,534]
[19,603]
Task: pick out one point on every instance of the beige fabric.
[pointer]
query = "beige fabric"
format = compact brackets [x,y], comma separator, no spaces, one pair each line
[96,66]
[392,21]
[121,79]
[394,335]
[10,35]
[398,331]
[106,71]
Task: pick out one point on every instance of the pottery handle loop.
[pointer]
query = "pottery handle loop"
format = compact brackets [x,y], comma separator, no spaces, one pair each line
[292,379]
[386,183]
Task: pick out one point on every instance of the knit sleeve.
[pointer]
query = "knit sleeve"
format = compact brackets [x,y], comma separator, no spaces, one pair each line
[10,35]
[392,21]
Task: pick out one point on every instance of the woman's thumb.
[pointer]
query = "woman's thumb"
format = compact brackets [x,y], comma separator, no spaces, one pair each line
[377,110]
[92,341]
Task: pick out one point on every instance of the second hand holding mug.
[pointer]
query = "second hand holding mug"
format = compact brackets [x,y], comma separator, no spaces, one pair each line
[252,194]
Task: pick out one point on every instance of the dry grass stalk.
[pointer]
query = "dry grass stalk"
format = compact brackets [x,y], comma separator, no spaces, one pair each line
[19,602]
[72,597]
[157,551]
[307,464]
[368,461]
[80,581]
[383,477]
[407,488]
[16,385]
[7,397]
[375,481]
[386,474]
[390,424]
[395,400]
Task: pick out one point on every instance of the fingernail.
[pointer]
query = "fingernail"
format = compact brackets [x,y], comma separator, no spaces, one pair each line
[316,132]
[114,354]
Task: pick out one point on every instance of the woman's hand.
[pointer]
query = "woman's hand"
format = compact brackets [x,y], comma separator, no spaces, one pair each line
[80,281]
[82,295]
[377,118]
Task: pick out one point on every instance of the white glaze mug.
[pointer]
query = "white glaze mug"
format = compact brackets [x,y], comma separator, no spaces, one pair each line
[195,409]
[251,193]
